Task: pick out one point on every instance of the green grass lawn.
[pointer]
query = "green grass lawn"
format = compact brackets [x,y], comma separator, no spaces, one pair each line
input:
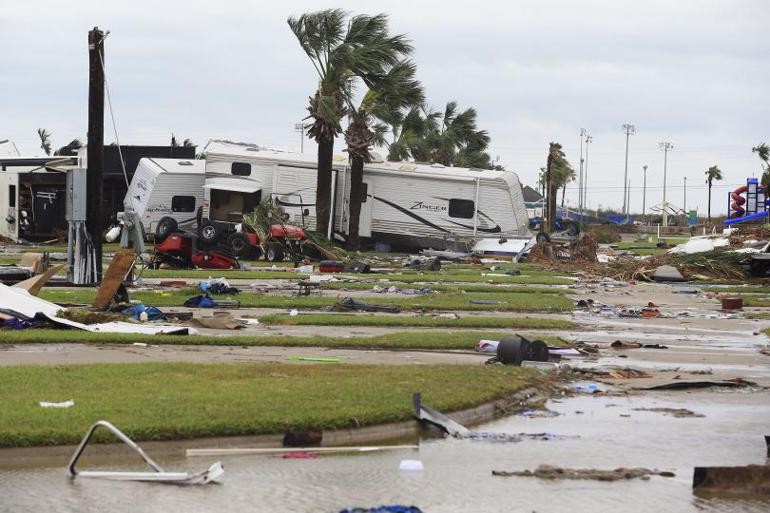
[758,315]
[458,276]
[746,289]
[424,322]
[467,287]
[513,301]
[415,339]
[168,401]
[756,301]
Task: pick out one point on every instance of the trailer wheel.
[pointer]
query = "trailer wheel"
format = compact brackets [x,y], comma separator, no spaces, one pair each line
[239,244]
[274,252]
[542,237]
[166,226]
[208,231]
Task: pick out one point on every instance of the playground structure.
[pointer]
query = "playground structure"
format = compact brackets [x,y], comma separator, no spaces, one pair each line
[747,203]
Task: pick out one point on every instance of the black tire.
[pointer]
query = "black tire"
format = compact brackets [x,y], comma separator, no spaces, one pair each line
[239,245]
[165,227]
[208,232]
[542,237]
[274,252]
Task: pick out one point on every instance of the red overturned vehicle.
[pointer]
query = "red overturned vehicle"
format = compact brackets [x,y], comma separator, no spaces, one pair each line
[219,244]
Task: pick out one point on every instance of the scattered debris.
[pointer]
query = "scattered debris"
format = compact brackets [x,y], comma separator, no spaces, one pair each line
[744,480]
[349,303]
[679,413]
[65,404]
[684,385]
[668,273]
[618,474]
[210,475]
[396,508]
[411,466]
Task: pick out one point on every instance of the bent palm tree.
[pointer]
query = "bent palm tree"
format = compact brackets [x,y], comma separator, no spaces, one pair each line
[340,49]
[45,140]
[763,152]
[712,173]
[382,104]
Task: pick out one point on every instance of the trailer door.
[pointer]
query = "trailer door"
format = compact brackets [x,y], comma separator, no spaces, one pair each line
[365,219]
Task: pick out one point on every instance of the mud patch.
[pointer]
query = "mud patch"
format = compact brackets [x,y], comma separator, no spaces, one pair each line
[553,473]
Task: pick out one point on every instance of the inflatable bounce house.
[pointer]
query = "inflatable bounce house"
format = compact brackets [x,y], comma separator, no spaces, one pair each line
[747,203]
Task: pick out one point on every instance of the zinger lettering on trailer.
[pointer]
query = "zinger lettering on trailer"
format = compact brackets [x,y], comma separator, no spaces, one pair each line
[421,205]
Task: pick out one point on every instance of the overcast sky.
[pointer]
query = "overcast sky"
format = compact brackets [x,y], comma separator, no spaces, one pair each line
[694,73]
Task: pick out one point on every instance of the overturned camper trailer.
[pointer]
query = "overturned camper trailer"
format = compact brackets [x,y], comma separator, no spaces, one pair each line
[405,204]
[166,188]
[32,197]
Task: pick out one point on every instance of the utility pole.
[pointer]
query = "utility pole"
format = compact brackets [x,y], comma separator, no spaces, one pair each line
[589,139]
[299,127]
[95,168]
[644,194]
[628,198]
[665,147]
[583,133]
[629,130]
[684,201]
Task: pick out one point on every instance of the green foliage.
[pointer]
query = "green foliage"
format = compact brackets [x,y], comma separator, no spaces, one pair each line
[172,401]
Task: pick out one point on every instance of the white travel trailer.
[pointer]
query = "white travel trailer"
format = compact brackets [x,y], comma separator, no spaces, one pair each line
[405,204]
[166,188]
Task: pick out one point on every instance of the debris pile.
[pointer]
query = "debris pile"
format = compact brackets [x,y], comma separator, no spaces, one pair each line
[618,474]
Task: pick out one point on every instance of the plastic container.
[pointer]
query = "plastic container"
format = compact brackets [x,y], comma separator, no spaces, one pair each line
[410,466]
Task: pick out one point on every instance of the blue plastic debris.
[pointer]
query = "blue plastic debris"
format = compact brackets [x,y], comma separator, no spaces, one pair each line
[153,314]
[396,508]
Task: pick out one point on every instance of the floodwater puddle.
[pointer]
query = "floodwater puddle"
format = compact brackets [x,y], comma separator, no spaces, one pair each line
[599,432]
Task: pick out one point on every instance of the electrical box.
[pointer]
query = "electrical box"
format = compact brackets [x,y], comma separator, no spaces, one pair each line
[76,195]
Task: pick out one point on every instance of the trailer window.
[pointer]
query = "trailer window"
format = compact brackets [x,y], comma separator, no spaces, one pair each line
[12,196]
[240,168]
[461,208]
[183,204]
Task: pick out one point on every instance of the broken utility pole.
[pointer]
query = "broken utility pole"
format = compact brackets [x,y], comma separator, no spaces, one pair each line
[94,180]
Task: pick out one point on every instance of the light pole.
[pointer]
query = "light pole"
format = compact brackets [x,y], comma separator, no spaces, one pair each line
[684,201]
[583,133]
[665,147]
[628,199]
[300,127]
[589,140]
[644,194]
[629,130]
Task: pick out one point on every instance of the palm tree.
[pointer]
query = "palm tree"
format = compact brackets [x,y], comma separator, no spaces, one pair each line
[557,173]
[763,152]
[712,173]
[383,104]
[70,149]
[340,48]
[410,133]
[456,131]
[45,140]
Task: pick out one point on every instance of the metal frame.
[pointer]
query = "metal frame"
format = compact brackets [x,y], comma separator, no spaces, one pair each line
[207,476]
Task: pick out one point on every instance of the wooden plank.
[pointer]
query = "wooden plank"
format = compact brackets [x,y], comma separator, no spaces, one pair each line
[34,284]
[116,272]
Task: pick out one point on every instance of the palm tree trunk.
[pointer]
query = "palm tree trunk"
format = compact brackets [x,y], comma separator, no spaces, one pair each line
[356,192]
[323,194]
[563,191]
[709,201]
